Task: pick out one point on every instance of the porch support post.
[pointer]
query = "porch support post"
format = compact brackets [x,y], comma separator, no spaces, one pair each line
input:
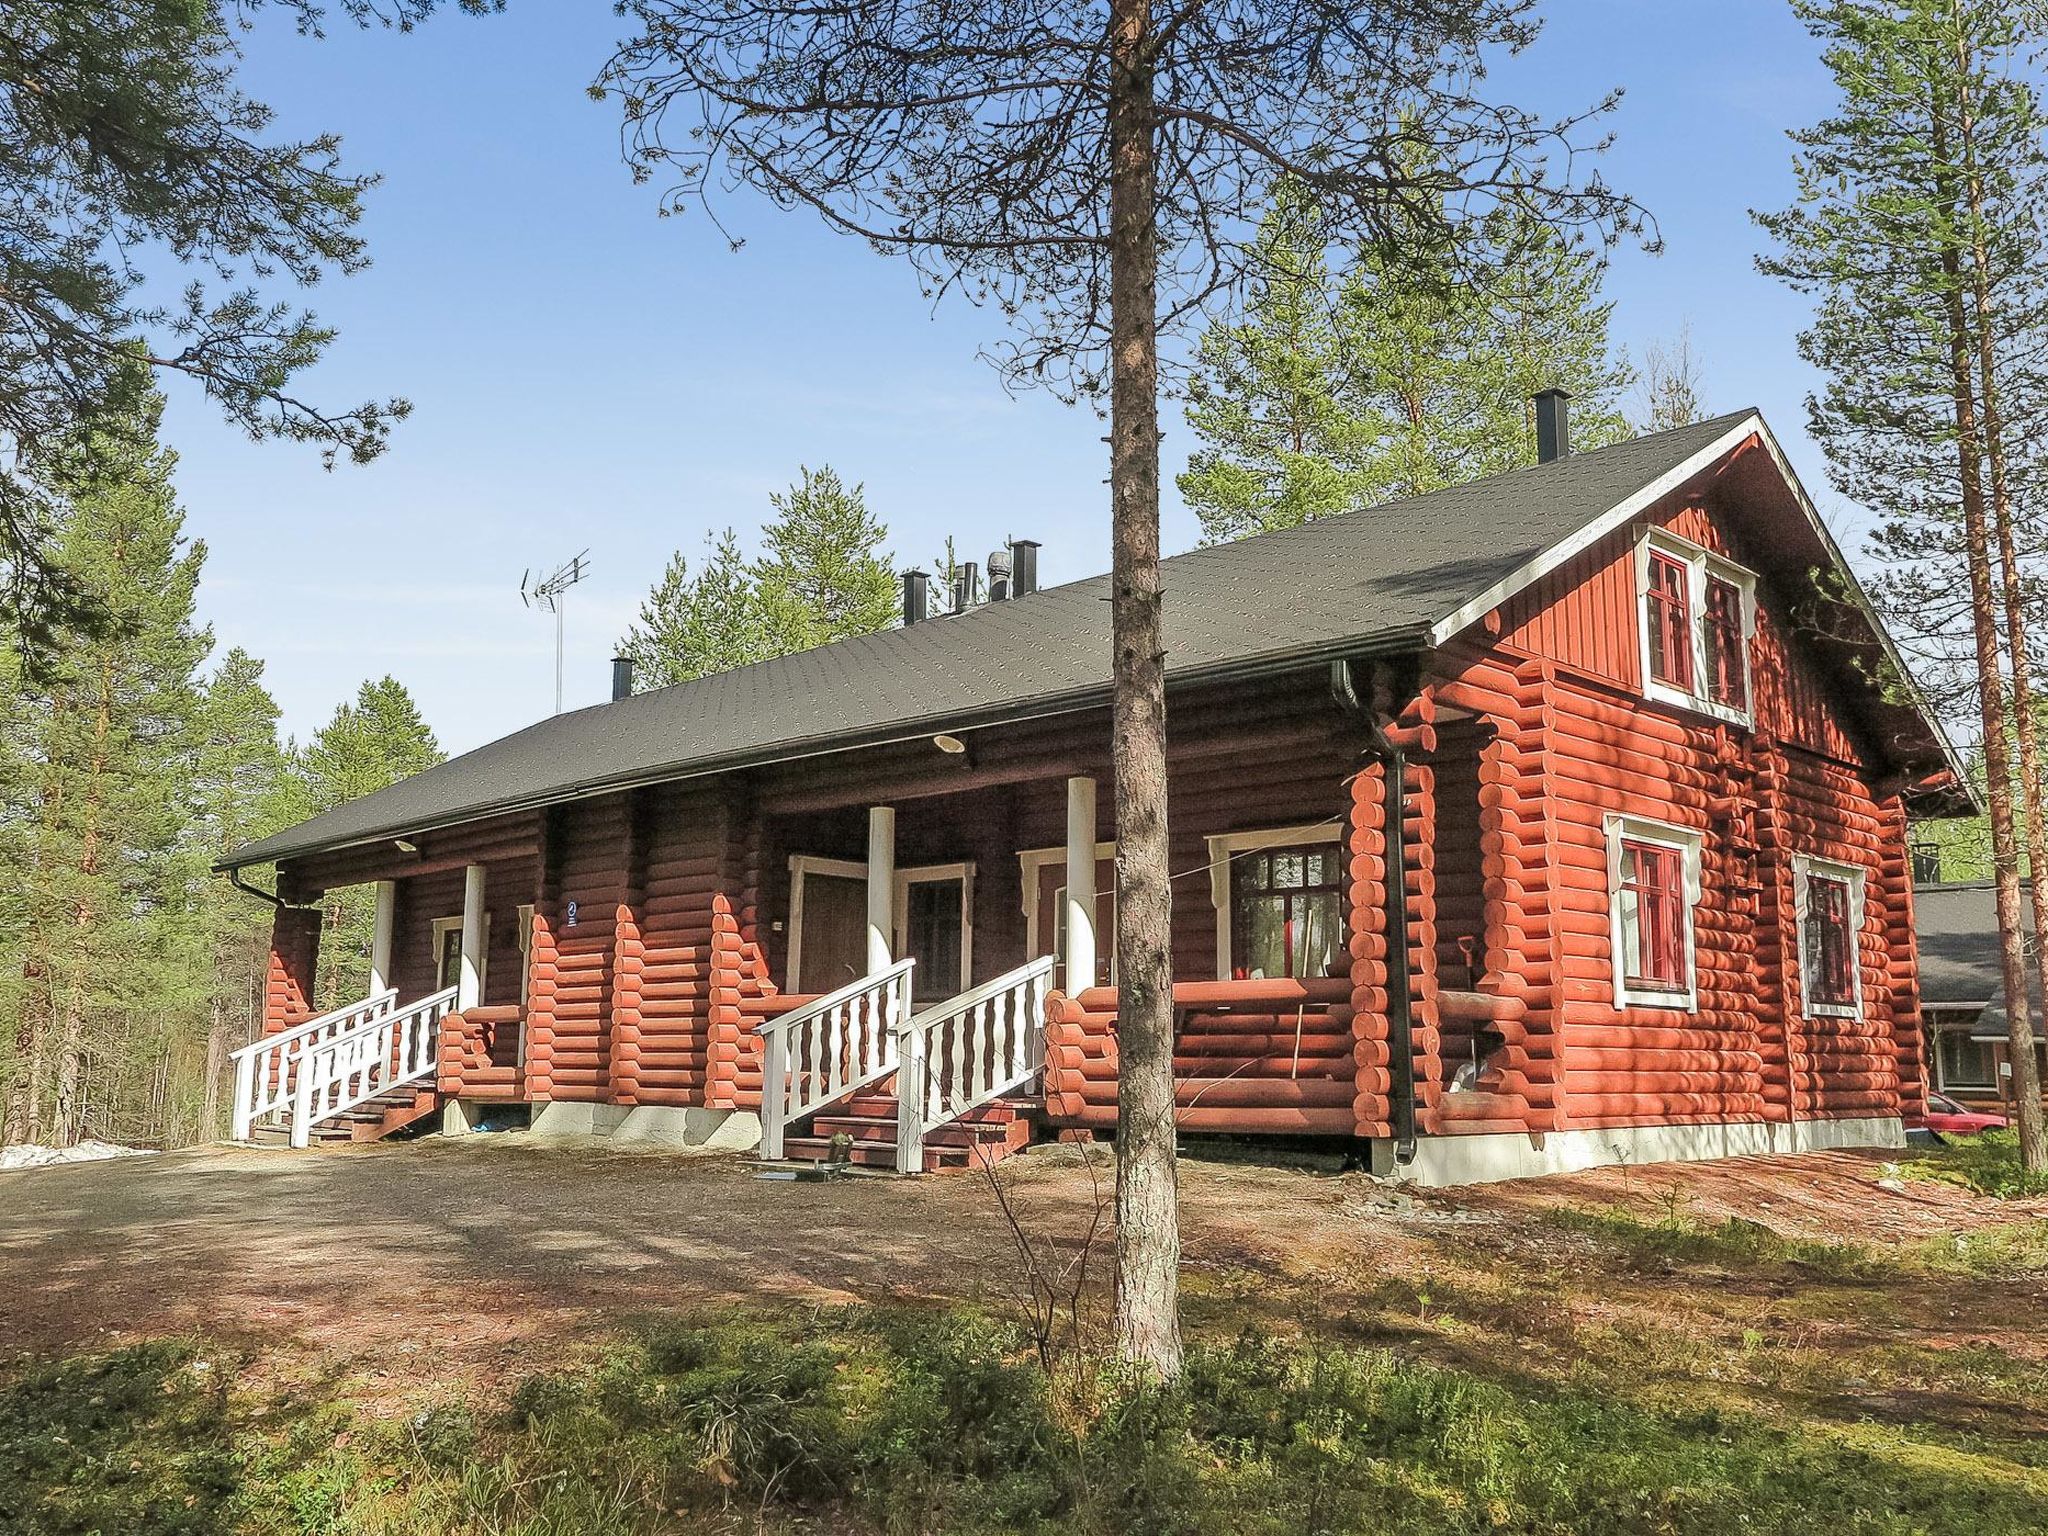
[469,984]
[380,938]
[881,886]
[1080,955]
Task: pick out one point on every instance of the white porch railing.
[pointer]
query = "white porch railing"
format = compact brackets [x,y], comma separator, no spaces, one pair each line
[830,1049]
[969,1051]
[389,1052]
[266,1069]
[328,1065]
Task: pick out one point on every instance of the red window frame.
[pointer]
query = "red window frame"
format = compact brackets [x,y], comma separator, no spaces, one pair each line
[1722,629]
[1654,873]
[1667,612]
[1830,941]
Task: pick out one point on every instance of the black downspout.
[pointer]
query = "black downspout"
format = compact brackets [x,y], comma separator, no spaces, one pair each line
[1400,992]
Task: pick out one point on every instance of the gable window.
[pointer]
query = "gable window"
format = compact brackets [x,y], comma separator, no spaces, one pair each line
[1666,617]
[1830,906]
[1722,637]
[1698,612]
[1653,876]
[1279,898]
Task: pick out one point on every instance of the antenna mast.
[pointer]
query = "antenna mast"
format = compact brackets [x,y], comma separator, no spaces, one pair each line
[550,592]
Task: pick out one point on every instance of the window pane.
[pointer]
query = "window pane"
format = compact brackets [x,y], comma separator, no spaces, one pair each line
[1653,915]
[1726,671]
[1829,942]
[1262,942]
[1667,619]
[1316,946]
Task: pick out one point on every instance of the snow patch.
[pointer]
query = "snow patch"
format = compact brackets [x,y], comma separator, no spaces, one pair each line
[30,1156]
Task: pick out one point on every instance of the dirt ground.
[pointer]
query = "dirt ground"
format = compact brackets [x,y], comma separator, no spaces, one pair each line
[492,1255]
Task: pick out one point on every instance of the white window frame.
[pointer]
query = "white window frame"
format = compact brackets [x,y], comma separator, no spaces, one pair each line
[447,925]
[1804,867]
[1031,863]
[802,864]
[1224,847]
[1700,563]
[1686,842]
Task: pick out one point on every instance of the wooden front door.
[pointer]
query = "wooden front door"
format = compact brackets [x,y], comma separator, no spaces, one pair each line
[934,933]
[834,924]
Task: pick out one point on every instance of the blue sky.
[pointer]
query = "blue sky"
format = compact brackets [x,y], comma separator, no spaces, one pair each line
[588,374]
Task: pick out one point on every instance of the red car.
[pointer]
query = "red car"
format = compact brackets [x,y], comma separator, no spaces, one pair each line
[1944,1114]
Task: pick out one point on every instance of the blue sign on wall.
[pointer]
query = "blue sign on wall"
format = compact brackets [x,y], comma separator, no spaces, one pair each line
[569,921]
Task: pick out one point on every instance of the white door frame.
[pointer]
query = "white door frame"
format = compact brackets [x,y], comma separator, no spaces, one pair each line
[802,864]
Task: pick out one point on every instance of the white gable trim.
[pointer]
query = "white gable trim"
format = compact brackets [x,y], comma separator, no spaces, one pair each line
[1592,533]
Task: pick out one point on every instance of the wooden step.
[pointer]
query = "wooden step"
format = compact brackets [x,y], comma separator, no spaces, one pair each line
[371,1120]
[868,1122]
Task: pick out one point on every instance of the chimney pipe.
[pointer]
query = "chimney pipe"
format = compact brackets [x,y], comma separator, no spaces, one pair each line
[966,576]
[1553,426]
[1023,567]
[915,587]
[999,569]
[622,678]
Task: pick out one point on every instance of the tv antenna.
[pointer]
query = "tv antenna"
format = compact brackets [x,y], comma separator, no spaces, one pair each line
[549,593]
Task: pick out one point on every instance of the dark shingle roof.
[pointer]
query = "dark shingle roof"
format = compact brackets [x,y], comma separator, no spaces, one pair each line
[1375,579]
[1957,926]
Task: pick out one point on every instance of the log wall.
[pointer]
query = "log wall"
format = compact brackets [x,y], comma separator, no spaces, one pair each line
[294,959]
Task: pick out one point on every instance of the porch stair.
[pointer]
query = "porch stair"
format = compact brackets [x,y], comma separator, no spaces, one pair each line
[371,1120]
[963,1073]
[980,1138]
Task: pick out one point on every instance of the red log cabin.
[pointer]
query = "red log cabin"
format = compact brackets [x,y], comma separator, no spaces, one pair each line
[1644,862]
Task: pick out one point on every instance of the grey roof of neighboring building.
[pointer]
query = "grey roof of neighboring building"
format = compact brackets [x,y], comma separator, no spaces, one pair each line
[1957,925]
[1364,582]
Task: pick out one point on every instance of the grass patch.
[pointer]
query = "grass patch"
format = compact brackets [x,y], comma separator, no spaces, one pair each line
[904,1420]
[1988,1163]
[1676,1238]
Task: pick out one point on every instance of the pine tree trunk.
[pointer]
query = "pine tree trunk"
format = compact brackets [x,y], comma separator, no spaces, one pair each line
[209,1128]
[1984,627]
[2026,1083]
[1147,1194]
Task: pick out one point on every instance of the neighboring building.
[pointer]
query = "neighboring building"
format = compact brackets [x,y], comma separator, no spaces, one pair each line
[1962,991]
[1650,857]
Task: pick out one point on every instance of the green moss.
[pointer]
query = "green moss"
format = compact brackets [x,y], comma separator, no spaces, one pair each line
[906,1420]
[1988,1163]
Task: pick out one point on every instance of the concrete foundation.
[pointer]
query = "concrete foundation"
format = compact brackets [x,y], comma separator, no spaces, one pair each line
[660,1125]
[459,1117]
[1442,1161]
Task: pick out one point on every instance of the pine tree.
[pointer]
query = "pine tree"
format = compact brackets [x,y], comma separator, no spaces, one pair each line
[122,130]
[1918,212]
[1082,165]
[691,626]
[1402,374]
[104,734]
[377,740]
[240,795]
[822,576]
